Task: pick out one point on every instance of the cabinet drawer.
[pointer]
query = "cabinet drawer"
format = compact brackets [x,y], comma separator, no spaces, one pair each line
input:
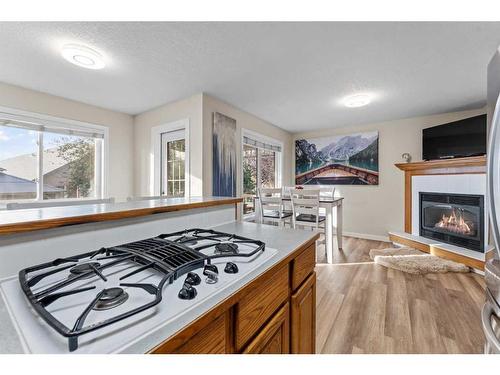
[254,309]
[303,266]
[274,338]
[209,340]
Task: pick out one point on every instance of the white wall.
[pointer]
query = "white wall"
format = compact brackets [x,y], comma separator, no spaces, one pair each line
[189,108]
[244,120]
[371,210]
[375,210]
[199,109]
[121,171]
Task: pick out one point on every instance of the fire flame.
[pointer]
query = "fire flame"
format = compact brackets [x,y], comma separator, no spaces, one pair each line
[455,223]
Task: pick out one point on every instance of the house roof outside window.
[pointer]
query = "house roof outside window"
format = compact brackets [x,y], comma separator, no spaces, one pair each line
[11,184]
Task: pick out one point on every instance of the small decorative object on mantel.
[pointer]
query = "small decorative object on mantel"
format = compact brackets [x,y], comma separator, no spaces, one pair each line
[406,157]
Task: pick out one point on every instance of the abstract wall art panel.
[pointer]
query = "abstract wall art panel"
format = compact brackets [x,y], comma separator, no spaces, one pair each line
[337,160]
[224,156]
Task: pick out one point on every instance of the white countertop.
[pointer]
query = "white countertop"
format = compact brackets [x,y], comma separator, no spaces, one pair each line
[284,241]
[28,220]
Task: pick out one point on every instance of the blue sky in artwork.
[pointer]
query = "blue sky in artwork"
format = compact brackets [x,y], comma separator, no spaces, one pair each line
[15,142]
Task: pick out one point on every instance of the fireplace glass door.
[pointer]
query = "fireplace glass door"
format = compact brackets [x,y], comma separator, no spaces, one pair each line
[452,218]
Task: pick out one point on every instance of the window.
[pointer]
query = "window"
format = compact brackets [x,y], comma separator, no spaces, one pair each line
[170,174]
[261,168]
[18,163]
[42,159]
[69,166]
[249,178]
[173,151]
[267,168]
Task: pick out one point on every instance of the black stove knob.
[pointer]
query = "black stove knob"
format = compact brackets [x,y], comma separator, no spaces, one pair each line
[210,268]
[192,279]
[187,292]
[231,268]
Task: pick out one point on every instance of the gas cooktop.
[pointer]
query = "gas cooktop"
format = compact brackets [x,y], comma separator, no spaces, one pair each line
[105,293]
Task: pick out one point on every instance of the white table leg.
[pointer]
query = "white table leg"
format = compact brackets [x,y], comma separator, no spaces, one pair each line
[329,235]
[257,212]
[339,224]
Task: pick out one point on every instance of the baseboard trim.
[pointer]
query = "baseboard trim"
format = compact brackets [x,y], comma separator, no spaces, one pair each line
[366,236]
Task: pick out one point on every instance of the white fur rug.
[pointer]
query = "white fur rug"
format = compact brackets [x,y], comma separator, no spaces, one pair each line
[413,261]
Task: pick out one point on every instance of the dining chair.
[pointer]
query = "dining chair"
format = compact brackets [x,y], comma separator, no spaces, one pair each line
[271,207]
[50,203]
[305,208]
[324,192]
[307,213]
[286,193]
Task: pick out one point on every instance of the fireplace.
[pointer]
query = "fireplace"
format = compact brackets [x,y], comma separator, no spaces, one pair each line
[457,219]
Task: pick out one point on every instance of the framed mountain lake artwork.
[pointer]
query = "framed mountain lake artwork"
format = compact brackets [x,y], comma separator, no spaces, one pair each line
[337,160]
[223,156]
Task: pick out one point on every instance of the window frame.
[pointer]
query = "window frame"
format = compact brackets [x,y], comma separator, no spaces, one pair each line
[278,161]
[156,155]
[53,122]
[166,139]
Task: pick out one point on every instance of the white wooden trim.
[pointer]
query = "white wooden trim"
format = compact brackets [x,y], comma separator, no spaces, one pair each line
[155,165]
[39,168]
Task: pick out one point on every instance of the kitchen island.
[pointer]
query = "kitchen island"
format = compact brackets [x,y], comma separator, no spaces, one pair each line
[29,220]
[33,236]
[273,312]
[268,309]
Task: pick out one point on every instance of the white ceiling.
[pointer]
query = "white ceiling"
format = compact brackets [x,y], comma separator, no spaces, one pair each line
[290,74]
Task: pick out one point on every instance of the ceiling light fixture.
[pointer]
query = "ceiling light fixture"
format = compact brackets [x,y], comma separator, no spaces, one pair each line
[357,100]
[83,56]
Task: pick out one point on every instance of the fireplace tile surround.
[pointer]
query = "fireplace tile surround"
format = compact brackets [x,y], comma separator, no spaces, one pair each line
[458,176]
[459,184]
[456,219]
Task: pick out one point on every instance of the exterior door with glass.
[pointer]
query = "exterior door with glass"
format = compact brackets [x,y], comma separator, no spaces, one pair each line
[173,164]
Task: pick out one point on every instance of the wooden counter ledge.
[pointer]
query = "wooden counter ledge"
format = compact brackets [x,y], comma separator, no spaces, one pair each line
[18,221]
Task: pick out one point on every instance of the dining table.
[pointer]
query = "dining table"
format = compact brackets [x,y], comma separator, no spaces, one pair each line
[333,221]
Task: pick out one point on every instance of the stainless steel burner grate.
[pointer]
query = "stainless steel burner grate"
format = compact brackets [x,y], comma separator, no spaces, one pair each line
[172,255]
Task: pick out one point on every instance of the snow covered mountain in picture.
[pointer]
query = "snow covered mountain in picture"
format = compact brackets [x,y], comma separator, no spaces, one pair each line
[345,159]
[346,146]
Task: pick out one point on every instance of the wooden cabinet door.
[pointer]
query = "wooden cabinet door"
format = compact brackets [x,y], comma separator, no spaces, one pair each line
[258,306]
[303,318]
[303,265]
[211,339]
[274,337]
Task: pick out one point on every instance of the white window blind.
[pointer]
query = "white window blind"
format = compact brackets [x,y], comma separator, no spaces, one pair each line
[10,121]
[248,140]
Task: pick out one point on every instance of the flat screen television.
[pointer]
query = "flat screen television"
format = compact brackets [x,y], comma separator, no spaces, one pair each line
[456,139]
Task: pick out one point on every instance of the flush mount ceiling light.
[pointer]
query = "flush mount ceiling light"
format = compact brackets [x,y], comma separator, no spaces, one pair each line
[83,56]
[357,100]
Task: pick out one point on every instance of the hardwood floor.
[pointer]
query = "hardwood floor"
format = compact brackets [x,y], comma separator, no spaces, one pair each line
[366,308]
